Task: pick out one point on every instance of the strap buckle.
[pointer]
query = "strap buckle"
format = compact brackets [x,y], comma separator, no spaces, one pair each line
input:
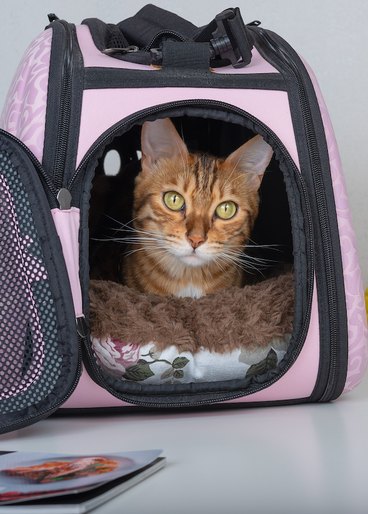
[231,40]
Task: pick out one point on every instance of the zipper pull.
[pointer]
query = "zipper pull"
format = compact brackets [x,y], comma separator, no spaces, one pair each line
[64,198]
[82,327]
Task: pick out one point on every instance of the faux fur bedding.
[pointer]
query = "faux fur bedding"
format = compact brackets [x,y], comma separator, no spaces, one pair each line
[139,336]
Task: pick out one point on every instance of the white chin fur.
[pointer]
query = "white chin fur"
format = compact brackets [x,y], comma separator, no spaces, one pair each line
[190,258]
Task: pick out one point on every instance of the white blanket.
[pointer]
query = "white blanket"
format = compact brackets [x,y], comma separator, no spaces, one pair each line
[129,361]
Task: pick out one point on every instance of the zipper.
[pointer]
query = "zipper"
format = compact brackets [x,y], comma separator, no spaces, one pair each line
[316,166]
[173,33]
[90,361]
[148,48]
[36,163]
[63,124]
[46,412]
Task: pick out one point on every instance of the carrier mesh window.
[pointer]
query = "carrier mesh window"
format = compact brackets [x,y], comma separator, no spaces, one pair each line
[30,358]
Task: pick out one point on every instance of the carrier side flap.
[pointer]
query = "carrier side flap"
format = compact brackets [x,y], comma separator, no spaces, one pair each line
[40,356]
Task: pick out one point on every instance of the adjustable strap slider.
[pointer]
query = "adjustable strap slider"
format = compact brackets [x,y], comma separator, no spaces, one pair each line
[231,40]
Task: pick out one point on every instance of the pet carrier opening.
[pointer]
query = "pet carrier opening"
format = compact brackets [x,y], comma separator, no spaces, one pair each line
[155,341]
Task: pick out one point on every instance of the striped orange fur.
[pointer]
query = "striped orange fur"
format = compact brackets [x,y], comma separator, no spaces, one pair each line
[191,251]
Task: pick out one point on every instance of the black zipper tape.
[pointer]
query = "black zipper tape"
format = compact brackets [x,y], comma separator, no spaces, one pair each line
[89,359]
[63,123]
[334,355]
[64,103]
[44,177]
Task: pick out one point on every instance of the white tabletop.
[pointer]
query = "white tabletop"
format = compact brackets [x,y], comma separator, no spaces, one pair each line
[305,459]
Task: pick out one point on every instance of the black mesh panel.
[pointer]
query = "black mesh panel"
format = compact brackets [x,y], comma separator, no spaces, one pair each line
[30,359]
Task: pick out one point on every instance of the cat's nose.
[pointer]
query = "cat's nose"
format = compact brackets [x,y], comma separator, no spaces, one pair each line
[195,240]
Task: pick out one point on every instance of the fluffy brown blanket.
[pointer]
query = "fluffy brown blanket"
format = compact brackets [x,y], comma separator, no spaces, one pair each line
[236,317]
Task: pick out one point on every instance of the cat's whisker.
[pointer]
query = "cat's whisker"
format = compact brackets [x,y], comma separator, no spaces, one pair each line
[245,266]
[120,222]
[245,263]
[153,235]
[275,247]
[261,260]
[217,261]
[150,250]
[138,231]
[228,262]
[161,259]
[250,257]
[134,241]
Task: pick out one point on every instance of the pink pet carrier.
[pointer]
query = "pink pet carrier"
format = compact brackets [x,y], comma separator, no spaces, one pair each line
[82,91]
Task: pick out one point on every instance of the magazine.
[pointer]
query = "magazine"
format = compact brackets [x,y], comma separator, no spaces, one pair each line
[60,483]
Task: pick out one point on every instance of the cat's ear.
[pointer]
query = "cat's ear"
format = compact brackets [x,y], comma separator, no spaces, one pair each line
[252,157]
[160,139]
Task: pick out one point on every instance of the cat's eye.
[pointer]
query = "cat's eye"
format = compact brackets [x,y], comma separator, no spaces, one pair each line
[226,210]
[174,200]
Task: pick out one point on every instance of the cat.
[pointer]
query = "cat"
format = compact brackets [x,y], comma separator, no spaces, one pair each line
[192,214]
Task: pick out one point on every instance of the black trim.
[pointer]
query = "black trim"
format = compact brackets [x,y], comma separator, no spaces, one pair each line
[60,290]
[53,93]
[66,57]
[105,35]
[107,78]
[334,360]
[333,329]
[137,409]
[76,107]
[44,177]
[151,21]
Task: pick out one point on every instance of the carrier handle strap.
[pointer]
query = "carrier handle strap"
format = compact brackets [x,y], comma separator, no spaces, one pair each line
[227,36]
[151,23]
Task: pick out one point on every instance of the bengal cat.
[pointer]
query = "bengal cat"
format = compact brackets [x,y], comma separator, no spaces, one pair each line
[193,214]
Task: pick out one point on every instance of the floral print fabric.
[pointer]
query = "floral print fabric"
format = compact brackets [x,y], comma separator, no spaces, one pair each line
[130,361]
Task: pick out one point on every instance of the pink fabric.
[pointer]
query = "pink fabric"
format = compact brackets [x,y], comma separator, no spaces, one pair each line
[24,112]
[90,395]
[298,382]
[67,227]
[357,320]
[87,393]
[93,57]
[101,109]
[300,379]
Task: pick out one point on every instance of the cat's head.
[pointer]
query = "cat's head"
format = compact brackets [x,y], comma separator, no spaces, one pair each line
[195,207]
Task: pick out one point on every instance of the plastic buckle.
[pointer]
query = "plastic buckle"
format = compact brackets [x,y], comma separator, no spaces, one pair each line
[230,39]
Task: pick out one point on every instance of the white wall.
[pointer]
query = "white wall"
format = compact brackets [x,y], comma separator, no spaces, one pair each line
[330,34]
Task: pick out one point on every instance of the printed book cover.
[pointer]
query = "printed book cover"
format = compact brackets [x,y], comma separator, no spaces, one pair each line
[51,482]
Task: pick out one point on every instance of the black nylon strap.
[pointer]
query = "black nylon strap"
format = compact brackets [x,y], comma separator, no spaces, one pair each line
[144,34]
[186,54]
[144,27]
